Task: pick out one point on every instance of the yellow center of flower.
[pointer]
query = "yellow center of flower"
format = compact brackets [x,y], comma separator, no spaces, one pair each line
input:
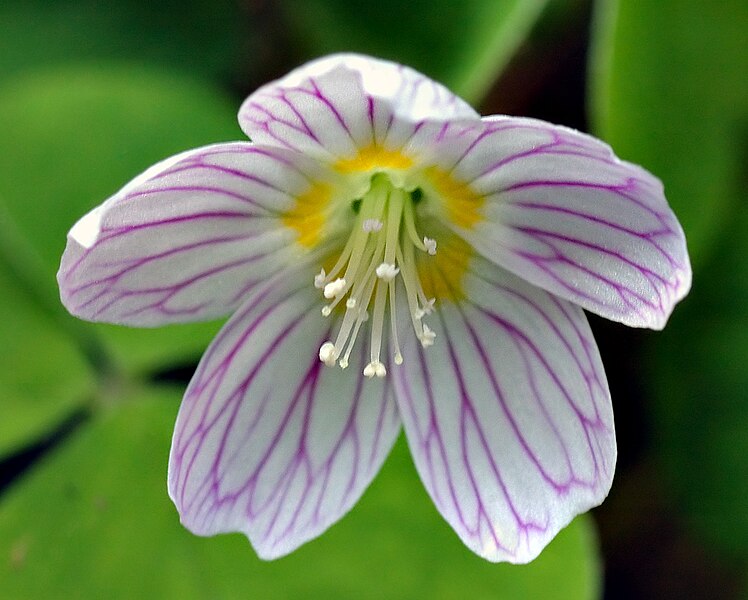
[374,157]
[442,274]
[307,216]
[382,246]
[461,203]
[385,256]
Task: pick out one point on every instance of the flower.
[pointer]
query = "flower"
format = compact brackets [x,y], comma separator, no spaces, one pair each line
[389,258]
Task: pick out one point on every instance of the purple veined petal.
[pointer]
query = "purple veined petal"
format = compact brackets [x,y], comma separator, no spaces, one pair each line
[270,442]
[334,106]
[187,240]
[562,211]
[508,415]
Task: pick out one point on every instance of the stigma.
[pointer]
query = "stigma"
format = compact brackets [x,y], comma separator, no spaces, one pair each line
[377,263]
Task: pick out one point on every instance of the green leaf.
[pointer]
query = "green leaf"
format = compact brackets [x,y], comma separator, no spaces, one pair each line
[461,44]
[669,90]
[43,376]
[185,33]
[699,367]
[94,521]
[71,138]
[701,418]
[85,524]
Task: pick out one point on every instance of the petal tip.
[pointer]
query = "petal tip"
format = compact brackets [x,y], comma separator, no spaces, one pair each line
[87,229]
[679,285]
[323,105]
[532,541]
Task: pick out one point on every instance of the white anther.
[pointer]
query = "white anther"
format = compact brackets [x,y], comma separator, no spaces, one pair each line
[387,271]
[382,247]
[370,225]
[327,354]
[427,337]
[375,368]
[334,288]
[319,280]
[426,309]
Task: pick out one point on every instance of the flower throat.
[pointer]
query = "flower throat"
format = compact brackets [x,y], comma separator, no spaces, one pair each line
[381,247]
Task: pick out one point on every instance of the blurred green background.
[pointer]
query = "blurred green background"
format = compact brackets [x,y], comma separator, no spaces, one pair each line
[91,93]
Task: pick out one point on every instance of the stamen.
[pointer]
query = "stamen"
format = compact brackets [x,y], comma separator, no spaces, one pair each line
[375,368]
[362,318]
[427,337]
[426,309]
[378,321]
[393,325]
[319,280]
[363,277]
[328,354]
[372,225]
[334,288]
[387,272]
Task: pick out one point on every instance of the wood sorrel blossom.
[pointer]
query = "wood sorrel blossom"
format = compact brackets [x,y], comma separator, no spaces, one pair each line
[388,257]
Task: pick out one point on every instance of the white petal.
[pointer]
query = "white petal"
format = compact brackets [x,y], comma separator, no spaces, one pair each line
[269,441]
[186,240]
[333,106]
[508,415]
[562,211]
